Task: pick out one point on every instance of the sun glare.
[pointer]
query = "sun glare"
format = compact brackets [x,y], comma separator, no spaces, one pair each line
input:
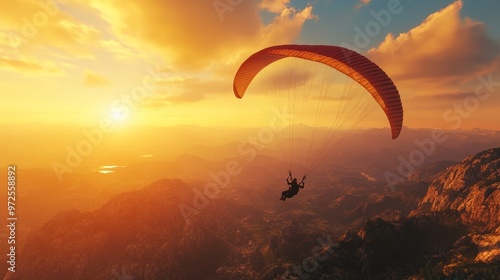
[117,116]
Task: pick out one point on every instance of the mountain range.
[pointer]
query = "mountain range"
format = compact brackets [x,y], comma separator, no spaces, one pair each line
[442,222]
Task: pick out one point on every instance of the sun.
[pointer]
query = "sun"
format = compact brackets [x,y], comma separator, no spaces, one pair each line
[118,116]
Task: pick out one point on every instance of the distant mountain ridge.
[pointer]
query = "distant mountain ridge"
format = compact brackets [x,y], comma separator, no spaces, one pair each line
[48,143]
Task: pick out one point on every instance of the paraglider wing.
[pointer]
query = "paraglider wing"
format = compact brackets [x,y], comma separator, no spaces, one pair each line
[356,66]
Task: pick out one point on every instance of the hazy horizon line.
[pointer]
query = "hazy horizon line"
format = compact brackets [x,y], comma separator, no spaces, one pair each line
[231,126]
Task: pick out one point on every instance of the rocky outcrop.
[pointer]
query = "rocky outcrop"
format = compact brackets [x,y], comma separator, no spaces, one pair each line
[471,188]
[430,172]
[431,246]
[286,243]
[453,234]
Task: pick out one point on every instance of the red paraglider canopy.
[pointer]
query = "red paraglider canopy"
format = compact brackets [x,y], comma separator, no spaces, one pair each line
[356,66]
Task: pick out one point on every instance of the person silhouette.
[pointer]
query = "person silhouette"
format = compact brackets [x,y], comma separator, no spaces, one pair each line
[293,188]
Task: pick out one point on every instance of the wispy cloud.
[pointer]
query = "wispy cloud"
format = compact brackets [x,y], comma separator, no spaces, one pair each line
[93,79]
[274,6]
[29,65]
[445,49]
[47,25]
[118,50]
[362,3]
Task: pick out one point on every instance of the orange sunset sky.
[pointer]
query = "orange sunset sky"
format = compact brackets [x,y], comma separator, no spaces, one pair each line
[166,62]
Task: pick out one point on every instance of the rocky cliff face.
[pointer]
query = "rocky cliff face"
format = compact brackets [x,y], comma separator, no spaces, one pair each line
[471,188]
[453,234]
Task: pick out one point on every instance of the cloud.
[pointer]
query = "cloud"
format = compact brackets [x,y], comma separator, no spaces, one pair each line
[178,89]
[274,6]
[288,77]
[95,80]
[200,39]
[445,49]
[445,109]
[9,40]
[362,3]
[29,65]
[118,50]
[186,35]
[434,101]
[187,97]
[286,26]
[154,103]
[166,99]
[441,97]
[191,37]
[450,97]
[35,24]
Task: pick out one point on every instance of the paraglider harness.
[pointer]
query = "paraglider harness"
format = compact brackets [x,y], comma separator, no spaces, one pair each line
[294,187]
